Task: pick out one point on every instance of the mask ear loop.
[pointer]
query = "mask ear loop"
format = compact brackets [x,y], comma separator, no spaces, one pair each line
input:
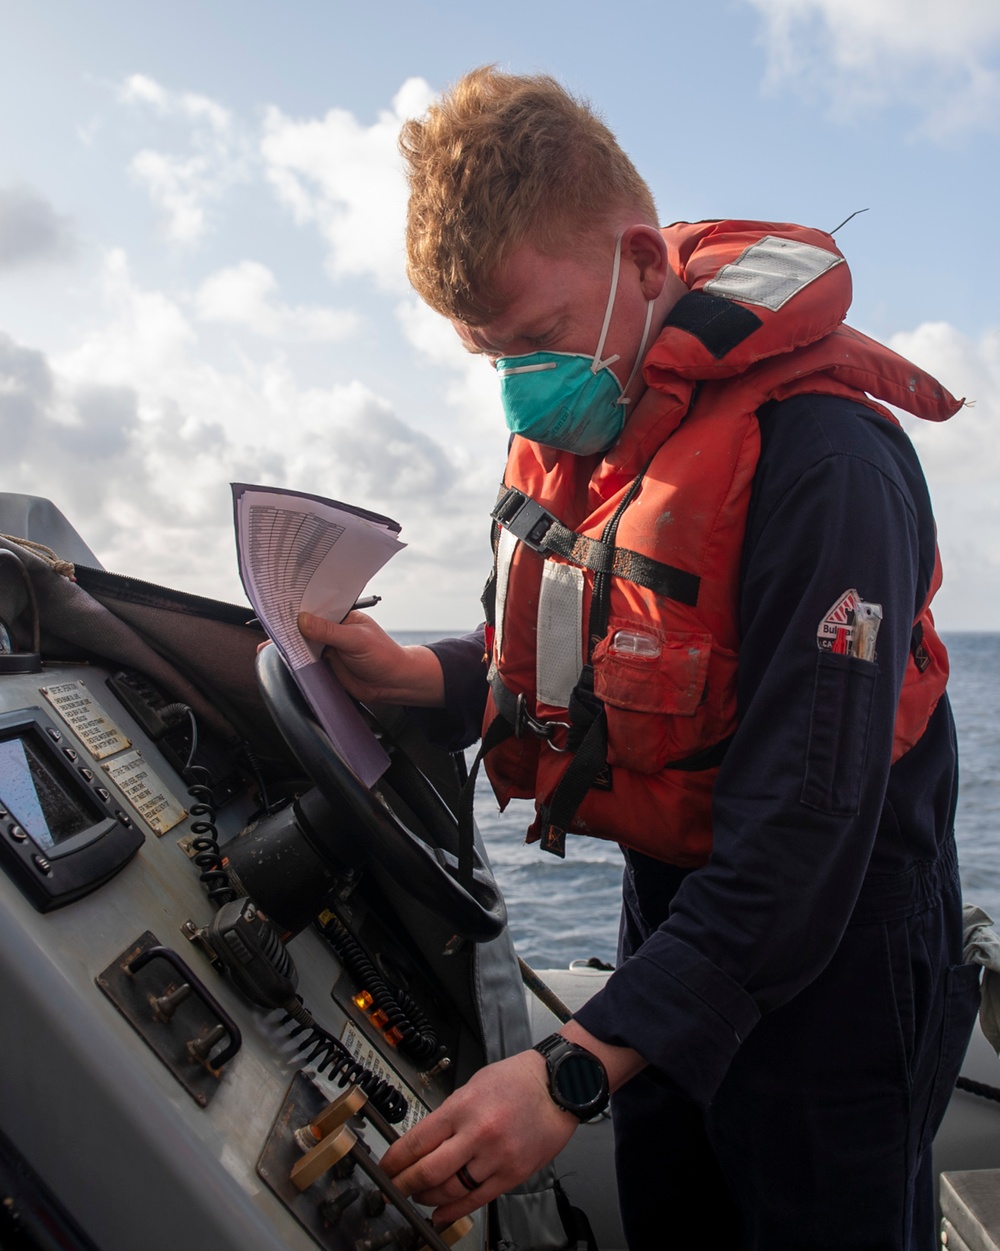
[599,364]
[623,398]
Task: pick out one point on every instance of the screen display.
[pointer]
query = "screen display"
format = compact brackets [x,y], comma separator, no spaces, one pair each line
[36,797]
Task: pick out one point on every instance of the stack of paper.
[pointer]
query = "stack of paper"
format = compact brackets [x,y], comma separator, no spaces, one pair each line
[302,553]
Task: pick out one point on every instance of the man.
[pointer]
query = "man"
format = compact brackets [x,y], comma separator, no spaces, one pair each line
[709,640]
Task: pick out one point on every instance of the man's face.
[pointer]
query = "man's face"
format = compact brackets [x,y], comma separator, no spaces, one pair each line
[557,304]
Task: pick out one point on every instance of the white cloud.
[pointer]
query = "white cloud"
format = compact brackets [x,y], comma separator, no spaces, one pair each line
[964,449]
[961,459]
[180,186]
[471,416]
[333,172]
[244,295]
[146,334]
[140,89]
[346,179]
[30,229]
[186,185]
[26,389]
[135,430]
[469,383]
[136,437]
[938,59]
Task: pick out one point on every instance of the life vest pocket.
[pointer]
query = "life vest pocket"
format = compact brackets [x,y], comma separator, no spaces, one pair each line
[647,678]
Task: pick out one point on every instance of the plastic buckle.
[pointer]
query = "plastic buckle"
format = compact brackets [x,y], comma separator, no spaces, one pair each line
[530,523]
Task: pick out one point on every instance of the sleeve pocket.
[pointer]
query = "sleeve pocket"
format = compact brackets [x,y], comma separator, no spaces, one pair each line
[838,733]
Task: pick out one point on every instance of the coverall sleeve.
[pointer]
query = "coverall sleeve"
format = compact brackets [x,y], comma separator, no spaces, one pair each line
[839,504]
[459,722]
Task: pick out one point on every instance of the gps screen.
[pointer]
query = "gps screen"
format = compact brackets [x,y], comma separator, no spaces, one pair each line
[36,797]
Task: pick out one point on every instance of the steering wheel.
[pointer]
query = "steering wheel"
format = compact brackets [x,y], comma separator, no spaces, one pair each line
[402,828]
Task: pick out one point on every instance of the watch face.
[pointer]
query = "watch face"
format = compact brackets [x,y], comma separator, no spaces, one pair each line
[579,1079]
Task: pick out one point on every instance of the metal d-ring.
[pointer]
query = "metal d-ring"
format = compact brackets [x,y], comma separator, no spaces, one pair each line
[523,720]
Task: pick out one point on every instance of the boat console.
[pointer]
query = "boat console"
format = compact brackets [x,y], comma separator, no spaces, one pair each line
[230,975]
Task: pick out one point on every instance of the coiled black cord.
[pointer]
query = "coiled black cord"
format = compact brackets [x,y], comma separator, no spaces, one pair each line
[250,758]
[205,844]
[329,1055]
[404,1014]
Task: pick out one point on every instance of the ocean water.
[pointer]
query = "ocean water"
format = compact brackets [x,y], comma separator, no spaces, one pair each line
[974,689]
[562,910]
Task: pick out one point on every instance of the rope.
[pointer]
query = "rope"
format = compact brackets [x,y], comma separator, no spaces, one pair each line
[545,993]
[982,1089]
[55,562]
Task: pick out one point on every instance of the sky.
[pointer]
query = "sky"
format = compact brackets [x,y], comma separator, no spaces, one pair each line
[201,273]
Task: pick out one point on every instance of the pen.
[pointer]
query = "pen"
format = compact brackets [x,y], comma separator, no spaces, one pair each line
[867,619]
[368,601]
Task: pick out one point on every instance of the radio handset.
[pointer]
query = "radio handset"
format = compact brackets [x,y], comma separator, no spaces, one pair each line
[250,951]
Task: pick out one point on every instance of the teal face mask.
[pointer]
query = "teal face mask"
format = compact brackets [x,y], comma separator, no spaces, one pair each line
[566,399]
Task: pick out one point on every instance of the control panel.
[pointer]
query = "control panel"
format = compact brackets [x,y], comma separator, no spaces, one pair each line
[215,1071]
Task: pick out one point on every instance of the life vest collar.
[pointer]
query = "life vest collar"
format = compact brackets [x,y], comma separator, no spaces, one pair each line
[751,296]
[738,311]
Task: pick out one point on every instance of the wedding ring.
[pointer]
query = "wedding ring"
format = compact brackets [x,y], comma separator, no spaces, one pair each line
[466,1178]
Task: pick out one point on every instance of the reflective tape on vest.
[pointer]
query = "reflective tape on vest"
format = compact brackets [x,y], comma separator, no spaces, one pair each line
[506,544]
[771,271]
[559,653]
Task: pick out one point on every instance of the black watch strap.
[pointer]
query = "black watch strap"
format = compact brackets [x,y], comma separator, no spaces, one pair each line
[552,1043]
[578,1082]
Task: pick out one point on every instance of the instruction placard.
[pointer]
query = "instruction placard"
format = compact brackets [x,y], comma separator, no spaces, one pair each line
[363,1051]
[86,718]
[146,791]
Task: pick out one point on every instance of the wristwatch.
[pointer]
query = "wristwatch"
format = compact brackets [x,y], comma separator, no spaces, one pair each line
[577,1079]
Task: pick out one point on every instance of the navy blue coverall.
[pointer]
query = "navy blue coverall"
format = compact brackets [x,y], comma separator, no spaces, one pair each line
[800,999]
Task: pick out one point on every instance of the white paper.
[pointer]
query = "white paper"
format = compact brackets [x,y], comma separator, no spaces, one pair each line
[300,553]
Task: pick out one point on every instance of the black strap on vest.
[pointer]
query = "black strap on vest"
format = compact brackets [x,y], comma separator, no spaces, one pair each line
[917,650]
[544,533]
[488,599]
[499,731]
[588,741]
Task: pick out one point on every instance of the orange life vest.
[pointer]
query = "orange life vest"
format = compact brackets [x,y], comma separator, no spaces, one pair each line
[657,526]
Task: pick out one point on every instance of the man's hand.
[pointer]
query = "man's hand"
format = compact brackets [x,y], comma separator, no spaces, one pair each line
[501,1126]
[372,666]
